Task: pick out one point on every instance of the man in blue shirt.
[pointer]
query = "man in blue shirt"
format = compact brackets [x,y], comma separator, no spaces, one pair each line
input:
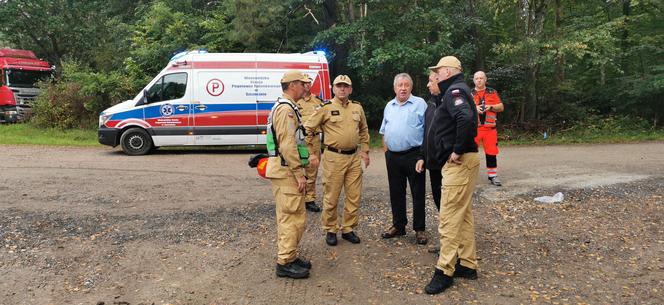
[403,131]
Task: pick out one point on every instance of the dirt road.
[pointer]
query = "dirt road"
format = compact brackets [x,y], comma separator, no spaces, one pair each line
[93,226]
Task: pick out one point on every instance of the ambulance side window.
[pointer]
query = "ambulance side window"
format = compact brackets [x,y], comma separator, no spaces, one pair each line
[168,87]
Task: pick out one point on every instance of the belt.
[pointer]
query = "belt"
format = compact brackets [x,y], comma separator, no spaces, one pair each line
[339,151]
[407,151]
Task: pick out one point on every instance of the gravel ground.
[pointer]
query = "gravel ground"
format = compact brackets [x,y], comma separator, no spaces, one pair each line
[92,226]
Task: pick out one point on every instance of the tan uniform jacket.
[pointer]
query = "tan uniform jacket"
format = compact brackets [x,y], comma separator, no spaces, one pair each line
[345,127]
[285,123]
[308,106]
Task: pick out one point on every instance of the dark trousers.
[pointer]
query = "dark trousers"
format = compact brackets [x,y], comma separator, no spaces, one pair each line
[436,177]
[401,168]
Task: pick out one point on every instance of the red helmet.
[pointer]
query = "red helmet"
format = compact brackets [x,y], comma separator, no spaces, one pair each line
[262,167]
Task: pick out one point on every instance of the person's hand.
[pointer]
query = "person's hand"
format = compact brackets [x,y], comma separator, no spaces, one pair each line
[301,184]
[480,109]
[365,158]
[454,158]
[419,166]
[314,161]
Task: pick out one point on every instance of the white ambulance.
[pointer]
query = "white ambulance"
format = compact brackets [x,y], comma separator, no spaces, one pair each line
[203,98]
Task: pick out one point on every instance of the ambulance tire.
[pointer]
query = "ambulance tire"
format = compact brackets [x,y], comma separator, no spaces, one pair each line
[136,142]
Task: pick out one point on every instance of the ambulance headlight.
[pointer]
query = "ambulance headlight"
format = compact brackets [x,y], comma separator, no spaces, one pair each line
[103,118]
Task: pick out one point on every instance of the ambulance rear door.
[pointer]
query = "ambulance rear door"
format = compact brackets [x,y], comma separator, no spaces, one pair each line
[224,105]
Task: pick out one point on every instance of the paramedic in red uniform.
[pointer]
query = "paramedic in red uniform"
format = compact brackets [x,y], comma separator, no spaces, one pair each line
[488,105]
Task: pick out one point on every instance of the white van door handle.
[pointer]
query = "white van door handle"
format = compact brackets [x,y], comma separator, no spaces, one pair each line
[201,107]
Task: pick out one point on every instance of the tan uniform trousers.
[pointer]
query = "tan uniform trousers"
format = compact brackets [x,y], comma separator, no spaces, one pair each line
[341,171]
[290,218]
[312,173]
[456,227]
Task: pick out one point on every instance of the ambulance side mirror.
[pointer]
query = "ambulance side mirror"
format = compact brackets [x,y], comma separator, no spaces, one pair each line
[144,98]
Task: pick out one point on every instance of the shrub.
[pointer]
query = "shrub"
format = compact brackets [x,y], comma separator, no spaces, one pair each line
[62,105]
[76,98]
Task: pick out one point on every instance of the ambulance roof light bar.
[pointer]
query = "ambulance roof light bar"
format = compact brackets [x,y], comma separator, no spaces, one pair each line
[183,53]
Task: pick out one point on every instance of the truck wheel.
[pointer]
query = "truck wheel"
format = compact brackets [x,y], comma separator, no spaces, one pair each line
[136,142]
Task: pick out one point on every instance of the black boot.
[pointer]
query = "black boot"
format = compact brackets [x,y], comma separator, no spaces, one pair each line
[439,282]
[331,238]
[351,237]
[292,270]
[302,263]
[311,206]
[464,272]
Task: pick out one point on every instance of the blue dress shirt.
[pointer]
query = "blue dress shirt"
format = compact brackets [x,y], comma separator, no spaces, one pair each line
[403,125]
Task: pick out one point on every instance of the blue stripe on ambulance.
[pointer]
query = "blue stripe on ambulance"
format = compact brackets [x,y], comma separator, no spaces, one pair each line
[155,111]
[131,114]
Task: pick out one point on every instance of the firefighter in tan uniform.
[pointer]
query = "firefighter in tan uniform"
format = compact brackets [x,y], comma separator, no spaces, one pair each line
[285,170]
[347,141]
[307,105]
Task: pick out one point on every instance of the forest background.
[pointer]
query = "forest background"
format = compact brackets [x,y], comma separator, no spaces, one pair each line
[558,65]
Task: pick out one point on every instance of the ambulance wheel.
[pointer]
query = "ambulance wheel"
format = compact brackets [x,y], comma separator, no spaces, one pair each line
[136,142]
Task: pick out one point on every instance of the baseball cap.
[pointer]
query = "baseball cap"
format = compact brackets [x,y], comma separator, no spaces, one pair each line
[448,61]
[342,79]
[294,75]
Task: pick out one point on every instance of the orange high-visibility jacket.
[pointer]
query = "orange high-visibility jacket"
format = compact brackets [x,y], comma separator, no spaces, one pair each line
[489,97]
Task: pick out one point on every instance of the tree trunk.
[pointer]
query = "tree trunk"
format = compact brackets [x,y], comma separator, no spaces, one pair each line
[627,11]
[477,37]
[534,15]
[560,60]
[331,17]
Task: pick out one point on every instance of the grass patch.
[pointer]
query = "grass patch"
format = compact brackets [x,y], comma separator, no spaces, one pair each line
[29,134]
[579,137]
[375,139]
[612,129]
[582,137]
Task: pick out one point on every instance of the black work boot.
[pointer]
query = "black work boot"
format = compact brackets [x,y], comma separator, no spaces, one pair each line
[331,238]
[464,272]
[439,282]
[302,263]
[311,206]
[351,237]
[292,270]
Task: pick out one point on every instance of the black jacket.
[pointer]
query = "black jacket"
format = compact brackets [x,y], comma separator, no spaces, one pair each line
[433,103]
[454,123]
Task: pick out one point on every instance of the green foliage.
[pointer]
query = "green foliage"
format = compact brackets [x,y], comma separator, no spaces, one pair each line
[599,58]
[592,129]
[77,98]
[55,29]
[391,39]
[161,32]
[373,109]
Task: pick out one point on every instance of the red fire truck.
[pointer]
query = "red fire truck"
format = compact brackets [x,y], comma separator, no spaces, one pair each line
[20,70]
